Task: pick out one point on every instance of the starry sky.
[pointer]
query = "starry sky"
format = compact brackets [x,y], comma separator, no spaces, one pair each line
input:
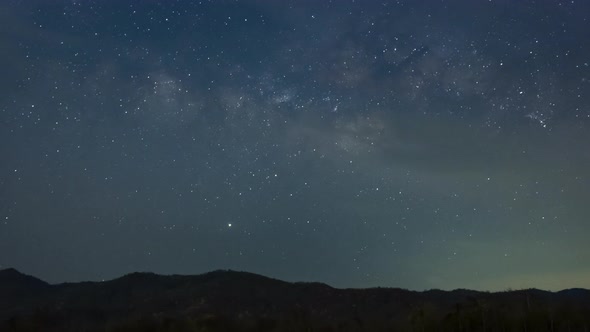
[414,144]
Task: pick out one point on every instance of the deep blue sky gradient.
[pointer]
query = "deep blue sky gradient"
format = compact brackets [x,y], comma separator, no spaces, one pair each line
[433,144]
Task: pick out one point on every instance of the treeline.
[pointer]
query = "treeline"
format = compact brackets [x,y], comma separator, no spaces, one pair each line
[240,301]
[489,312]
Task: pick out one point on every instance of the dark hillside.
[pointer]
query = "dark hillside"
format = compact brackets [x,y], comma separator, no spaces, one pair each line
[240,301]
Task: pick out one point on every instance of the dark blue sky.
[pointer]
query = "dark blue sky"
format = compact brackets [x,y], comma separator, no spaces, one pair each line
[432,144]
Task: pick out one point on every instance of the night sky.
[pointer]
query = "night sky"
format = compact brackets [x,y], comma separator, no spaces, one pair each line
[414,144]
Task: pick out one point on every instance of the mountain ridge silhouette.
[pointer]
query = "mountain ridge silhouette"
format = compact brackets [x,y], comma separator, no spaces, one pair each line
[248,301]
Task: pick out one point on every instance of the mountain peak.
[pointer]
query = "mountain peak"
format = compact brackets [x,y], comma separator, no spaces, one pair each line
[12,278]
[10,271]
